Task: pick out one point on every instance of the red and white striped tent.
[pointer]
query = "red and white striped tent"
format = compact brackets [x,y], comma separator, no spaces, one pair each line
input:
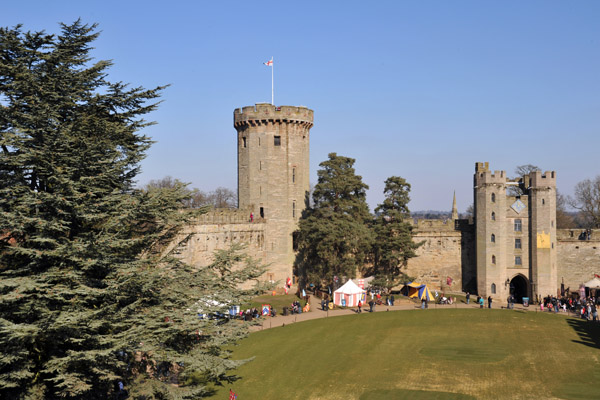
[350,293]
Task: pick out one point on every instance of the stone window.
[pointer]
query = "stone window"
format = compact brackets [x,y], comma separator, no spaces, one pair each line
[518,260]
[493,197]
[262,212]
[552,223]
[293,175]
[277,141]
[260,165]
[493,288]
[258,142]
[543,201]
[244,141]
[493,216]
[493,259]
[517,243]
[493,238]
[518,225]
[294,209]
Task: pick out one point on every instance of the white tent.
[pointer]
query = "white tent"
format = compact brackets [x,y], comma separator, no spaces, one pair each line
[348,295]
[593,284]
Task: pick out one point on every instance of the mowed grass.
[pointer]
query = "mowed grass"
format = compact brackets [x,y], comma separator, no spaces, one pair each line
[431,354]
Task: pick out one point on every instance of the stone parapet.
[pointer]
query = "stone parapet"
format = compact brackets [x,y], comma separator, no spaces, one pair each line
[264,113]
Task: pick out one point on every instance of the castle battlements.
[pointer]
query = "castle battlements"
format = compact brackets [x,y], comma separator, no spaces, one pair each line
[547,179]
[264,113]
[225,216]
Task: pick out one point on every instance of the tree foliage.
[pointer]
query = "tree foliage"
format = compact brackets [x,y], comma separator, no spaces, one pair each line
[521,171]
[89,295]
[586,199]
[334,236]
[393,245]
[219,198]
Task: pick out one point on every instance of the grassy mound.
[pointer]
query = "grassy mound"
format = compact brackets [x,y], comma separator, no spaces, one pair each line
[433,354]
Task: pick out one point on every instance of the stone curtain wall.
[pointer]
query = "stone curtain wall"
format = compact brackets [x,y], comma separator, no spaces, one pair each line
[218,230]
[578,260]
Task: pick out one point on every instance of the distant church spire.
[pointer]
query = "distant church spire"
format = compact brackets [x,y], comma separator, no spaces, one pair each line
[454,210]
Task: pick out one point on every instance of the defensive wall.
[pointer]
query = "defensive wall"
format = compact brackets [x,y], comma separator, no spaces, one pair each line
[218,230]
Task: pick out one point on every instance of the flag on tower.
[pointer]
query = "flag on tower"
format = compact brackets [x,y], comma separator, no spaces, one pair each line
[269,63]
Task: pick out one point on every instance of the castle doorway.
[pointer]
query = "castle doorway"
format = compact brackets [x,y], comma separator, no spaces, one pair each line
[519,287]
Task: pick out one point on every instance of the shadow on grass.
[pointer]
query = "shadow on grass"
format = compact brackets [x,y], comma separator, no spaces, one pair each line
[588,331]
[406,394]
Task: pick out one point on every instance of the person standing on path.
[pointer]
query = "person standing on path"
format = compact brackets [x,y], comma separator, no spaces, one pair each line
[480,302]
[359,307]
[468,297]
[489,301]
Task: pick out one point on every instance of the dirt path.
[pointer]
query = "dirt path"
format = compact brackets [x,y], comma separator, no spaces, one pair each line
[400,304]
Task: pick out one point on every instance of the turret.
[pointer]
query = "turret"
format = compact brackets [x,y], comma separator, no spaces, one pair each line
[273,174]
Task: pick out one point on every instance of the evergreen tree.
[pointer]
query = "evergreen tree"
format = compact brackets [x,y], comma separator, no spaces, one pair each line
[393,244]
[334,236]
[91,290]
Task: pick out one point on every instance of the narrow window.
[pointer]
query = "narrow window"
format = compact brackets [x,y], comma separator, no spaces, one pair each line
[260,165]
[543,201]
[244,141]
[262,212]
[494,260]
[493,288]
[552,223]
[493,197]
[493,216]
[260,190]
[277,141]
[293,175]
[493,239]
[517,260]
[294,209]
[259,142]
[517,243]
[517,225]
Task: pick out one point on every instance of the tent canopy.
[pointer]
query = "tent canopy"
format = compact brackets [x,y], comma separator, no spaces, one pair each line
[350,288]
[421,292]
[593,284]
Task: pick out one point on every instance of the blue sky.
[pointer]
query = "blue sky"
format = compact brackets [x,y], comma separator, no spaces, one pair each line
[419,89]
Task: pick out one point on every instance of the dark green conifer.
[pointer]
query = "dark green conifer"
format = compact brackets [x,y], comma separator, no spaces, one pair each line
[334,236]
[91,290]
[393,245]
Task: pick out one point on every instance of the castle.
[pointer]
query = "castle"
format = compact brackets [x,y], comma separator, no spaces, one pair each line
[511,245]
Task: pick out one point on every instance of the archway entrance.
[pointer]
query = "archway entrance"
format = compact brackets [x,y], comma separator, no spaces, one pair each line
[519,287]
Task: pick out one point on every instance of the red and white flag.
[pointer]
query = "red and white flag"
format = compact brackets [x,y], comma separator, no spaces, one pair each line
[269,63]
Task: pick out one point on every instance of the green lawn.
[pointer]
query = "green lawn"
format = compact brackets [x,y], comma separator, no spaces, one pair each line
[432,354]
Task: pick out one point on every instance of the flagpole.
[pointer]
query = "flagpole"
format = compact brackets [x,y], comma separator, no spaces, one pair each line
[272,92]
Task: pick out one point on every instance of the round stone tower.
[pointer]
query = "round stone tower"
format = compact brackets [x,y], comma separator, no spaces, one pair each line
[273,175]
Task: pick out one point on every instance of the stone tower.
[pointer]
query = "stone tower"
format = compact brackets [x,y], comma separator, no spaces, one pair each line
[515,234]
[273,175]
